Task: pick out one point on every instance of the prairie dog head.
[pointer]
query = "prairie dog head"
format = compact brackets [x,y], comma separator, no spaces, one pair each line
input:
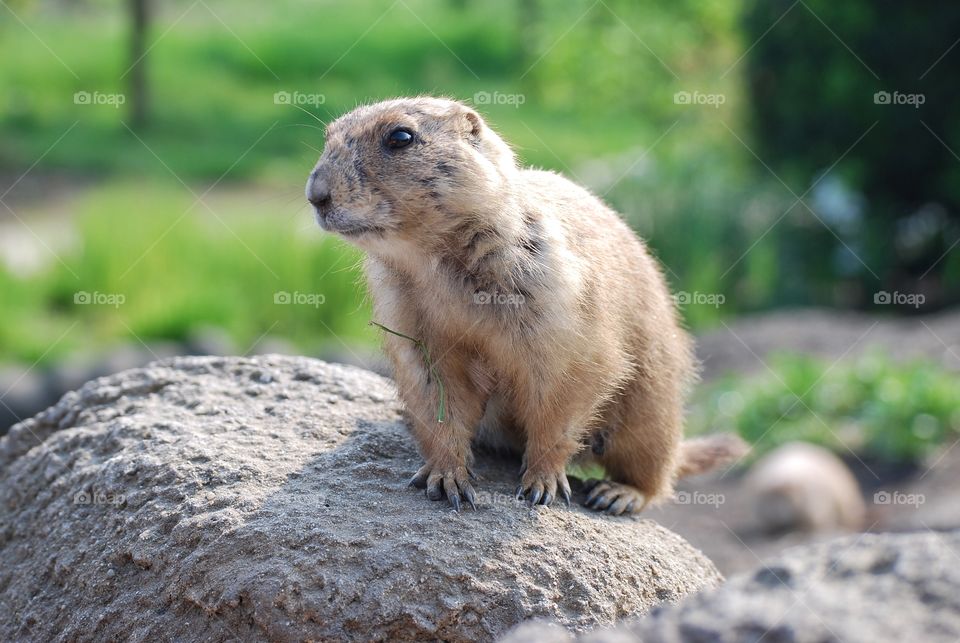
[410,168]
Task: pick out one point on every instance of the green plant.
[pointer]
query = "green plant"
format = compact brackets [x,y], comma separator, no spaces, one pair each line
[872,406]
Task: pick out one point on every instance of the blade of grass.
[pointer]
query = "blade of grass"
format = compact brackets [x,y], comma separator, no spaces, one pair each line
[442,407]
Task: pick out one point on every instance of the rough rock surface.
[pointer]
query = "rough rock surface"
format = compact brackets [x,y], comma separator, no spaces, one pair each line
[228,498]
[876,587]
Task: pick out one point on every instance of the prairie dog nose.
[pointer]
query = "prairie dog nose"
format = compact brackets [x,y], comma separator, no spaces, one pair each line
[318,191]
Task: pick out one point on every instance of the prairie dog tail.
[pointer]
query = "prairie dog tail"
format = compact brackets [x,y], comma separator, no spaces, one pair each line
[700,455]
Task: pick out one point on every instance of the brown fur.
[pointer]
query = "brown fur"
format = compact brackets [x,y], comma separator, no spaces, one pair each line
[581,343]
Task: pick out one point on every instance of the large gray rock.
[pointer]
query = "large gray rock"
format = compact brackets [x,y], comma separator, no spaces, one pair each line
[229,498]
[875,587]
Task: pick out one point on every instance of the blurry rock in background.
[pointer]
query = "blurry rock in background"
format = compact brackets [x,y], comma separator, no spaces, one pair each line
[23,392]
[801,486]
[367,357]
[26,391]
[211,340]
[747,344]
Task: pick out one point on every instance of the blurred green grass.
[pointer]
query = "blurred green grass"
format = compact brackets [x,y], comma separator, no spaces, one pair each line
[874,407]
[175,268]
[212,87]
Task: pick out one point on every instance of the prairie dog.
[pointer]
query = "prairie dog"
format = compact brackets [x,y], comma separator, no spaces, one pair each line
[549,327]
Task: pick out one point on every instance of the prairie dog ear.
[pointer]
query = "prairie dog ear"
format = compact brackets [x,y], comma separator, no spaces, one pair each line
[474,130]
[473,122]
[468,121]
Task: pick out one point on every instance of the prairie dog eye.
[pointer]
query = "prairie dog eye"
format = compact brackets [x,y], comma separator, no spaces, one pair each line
[398,138]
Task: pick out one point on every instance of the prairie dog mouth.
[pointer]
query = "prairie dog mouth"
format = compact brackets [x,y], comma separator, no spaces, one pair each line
[355,231]
[336,223]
